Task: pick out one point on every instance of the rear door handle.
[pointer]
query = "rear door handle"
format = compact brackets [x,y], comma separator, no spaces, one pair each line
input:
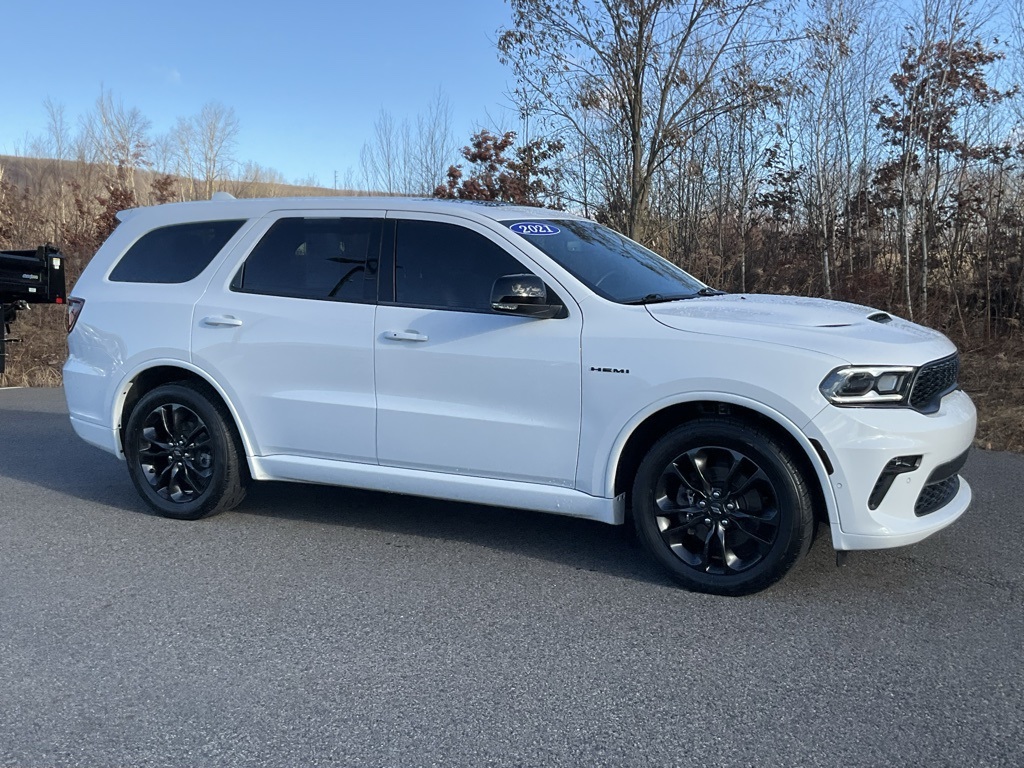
[404,336]
[221,321]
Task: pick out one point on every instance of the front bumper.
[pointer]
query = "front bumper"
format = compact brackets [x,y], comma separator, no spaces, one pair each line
[861,441]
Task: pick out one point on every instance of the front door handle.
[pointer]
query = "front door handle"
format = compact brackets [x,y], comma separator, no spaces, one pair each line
[404,336]
[221,321]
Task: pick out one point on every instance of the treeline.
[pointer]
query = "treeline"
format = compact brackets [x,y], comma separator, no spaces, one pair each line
[864,150]
[68,182]
[65,184]
[858,149]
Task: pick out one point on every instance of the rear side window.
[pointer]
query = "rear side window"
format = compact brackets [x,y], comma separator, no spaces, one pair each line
[315,259]
[174,254]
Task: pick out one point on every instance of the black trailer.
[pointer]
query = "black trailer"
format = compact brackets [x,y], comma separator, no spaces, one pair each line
[28,277]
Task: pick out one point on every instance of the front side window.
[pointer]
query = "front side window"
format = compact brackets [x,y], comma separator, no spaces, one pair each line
[314,259]
[174,254]
[609,264]
[448,266]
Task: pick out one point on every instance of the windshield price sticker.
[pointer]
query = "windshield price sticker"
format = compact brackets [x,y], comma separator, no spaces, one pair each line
[534,228]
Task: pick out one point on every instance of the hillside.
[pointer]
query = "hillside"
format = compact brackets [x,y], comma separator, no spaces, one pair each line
[27,172]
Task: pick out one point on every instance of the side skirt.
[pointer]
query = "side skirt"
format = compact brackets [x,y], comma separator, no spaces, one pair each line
[416,482]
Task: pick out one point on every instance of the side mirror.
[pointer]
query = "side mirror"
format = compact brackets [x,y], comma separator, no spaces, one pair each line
[524,295]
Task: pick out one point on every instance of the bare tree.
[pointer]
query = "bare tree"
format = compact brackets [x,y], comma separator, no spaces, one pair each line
[941,78]
[52,148]
[383,160]
[255,180]
[434,145]
[117,138]
[645,67]
[205,145]
[823,132]
[401,161]
[58,132]
[163,153]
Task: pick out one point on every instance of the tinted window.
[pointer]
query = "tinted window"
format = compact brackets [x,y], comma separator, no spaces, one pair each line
[444,265]
[611,265]
[315,259]
[174,254]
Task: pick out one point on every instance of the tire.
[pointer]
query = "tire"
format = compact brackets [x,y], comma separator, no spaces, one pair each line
[722,506]
[183,453]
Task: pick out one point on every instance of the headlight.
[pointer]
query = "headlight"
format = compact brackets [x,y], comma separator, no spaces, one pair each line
[869,385]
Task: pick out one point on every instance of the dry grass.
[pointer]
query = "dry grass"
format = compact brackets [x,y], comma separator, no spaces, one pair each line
[36,360]
[992,373]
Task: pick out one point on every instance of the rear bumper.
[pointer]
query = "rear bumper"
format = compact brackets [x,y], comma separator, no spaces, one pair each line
[87,391]
[861,441]
[98,435]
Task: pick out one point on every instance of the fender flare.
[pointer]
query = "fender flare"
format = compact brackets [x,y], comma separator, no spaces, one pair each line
[128,380]
[784,422]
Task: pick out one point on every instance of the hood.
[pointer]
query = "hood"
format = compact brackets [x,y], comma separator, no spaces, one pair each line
[860,335]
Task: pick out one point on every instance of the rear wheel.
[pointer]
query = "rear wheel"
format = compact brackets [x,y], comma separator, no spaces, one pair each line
[183,455]
[722,506]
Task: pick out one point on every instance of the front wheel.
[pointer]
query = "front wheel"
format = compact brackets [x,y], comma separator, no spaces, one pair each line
[722,506]
[182,453]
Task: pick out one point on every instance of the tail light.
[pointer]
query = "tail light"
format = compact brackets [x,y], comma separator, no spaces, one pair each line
[74,310]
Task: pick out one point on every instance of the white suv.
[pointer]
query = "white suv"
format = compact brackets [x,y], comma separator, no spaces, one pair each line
[509,356]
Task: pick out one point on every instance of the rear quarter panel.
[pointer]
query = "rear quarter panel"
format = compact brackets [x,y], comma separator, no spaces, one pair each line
[127,327]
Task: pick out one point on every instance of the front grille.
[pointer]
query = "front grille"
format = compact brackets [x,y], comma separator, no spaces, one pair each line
[936,495]
[933,382]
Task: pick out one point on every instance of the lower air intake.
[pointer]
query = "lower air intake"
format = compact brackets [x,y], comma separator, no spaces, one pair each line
[936,495]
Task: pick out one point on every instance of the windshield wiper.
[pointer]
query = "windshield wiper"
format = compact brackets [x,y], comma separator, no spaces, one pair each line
[658,298]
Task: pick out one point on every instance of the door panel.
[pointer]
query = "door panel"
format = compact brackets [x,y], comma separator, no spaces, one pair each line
[475,392]
[480,394]
[298,368]
[302,372]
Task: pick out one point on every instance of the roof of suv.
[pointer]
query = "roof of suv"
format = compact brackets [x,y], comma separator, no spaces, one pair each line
[228,207]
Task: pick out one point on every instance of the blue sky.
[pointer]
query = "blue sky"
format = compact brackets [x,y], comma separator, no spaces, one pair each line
[306,79]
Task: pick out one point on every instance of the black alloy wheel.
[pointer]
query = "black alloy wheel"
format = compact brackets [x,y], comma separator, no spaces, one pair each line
[176,453]
[722,506]
[183,454]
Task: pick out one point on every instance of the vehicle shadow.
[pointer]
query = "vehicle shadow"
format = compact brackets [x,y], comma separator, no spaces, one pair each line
[39,447]
[582,544]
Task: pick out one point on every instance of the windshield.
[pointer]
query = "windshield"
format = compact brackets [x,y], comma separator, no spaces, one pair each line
[609,264]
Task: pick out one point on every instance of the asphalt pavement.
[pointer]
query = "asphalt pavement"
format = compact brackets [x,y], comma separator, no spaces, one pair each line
[327,626]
